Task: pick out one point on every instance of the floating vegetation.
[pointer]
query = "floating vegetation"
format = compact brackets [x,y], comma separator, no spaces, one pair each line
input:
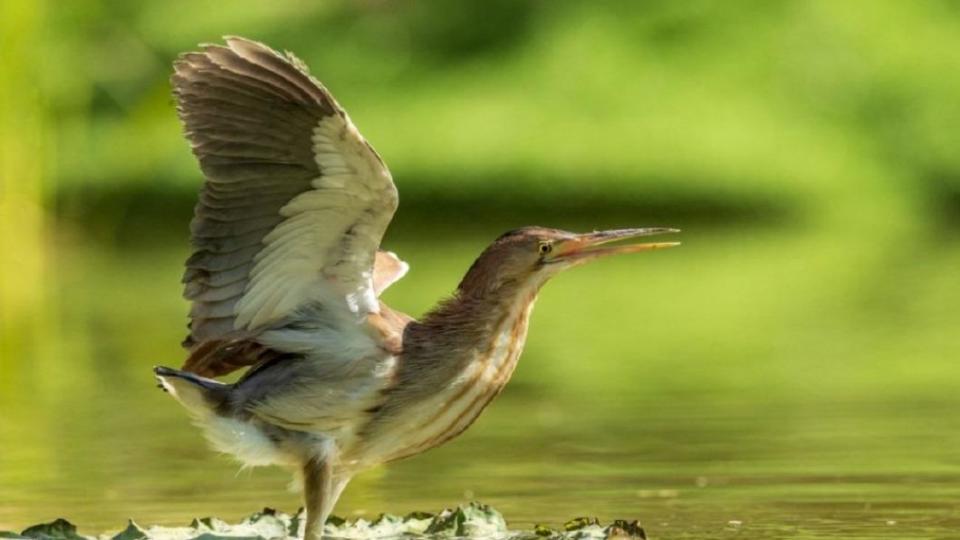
[473,520]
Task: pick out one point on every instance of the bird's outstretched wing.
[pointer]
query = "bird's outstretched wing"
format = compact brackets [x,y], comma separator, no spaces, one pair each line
[293,209]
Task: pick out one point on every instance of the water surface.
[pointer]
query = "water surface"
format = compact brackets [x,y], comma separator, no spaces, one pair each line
[807,394]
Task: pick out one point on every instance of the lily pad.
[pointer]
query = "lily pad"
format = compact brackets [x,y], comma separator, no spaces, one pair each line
[474,520]
[59,529]
[576,524]
[132,532]
[470,521]
[543,530]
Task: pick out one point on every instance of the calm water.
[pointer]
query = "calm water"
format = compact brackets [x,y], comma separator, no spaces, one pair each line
[780,385]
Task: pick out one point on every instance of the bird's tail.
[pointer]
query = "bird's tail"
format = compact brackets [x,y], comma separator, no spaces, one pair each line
[199,395]
[207,401]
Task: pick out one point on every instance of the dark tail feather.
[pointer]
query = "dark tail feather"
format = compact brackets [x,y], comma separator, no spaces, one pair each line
[203,382]
[196,393]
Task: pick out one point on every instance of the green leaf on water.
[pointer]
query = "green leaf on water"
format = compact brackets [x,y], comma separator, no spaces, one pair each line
[576,524]
[448,523]
[209,524]
[59,529]
[543,530]
[269,523]
[625,529]
[132,532]
[472,520]
[418,516]
[211,536]
[336,521]
[293,529]
[257,516]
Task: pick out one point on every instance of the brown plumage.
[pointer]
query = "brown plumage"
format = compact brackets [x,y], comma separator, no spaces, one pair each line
[286,273]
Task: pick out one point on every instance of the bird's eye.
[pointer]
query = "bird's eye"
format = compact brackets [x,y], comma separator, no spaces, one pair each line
[545,247]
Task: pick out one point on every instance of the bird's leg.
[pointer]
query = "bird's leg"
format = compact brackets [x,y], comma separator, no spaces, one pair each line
[318,496]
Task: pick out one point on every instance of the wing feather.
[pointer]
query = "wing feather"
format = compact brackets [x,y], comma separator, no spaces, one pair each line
[294,205]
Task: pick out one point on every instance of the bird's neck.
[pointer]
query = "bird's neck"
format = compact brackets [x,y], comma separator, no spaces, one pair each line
[473,331]
[455,360]
[475,320]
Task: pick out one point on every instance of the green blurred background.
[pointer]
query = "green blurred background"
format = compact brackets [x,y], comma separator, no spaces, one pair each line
[793,367]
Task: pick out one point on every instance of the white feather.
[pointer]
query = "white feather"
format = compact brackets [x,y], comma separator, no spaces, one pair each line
[242,440]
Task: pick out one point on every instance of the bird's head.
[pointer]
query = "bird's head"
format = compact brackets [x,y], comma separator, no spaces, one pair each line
[527,257]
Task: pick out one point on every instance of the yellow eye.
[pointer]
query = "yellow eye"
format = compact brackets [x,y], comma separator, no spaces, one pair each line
[545,247]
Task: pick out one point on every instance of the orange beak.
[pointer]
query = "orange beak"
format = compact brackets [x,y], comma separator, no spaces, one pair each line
[587,247]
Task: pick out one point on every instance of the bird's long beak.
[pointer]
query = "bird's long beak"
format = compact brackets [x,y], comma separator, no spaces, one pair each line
[587,247]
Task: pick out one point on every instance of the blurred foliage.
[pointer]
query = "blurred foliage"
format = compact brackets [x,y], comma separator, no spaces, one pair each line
[807,326]
[831,106]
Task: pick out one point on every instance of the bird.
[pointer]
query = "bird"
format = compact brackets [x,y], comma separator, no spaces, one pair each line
[286,273]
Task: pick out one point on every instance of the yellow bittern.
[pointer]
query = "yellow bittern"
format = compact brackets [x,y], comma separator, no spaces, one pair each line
[286,274]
